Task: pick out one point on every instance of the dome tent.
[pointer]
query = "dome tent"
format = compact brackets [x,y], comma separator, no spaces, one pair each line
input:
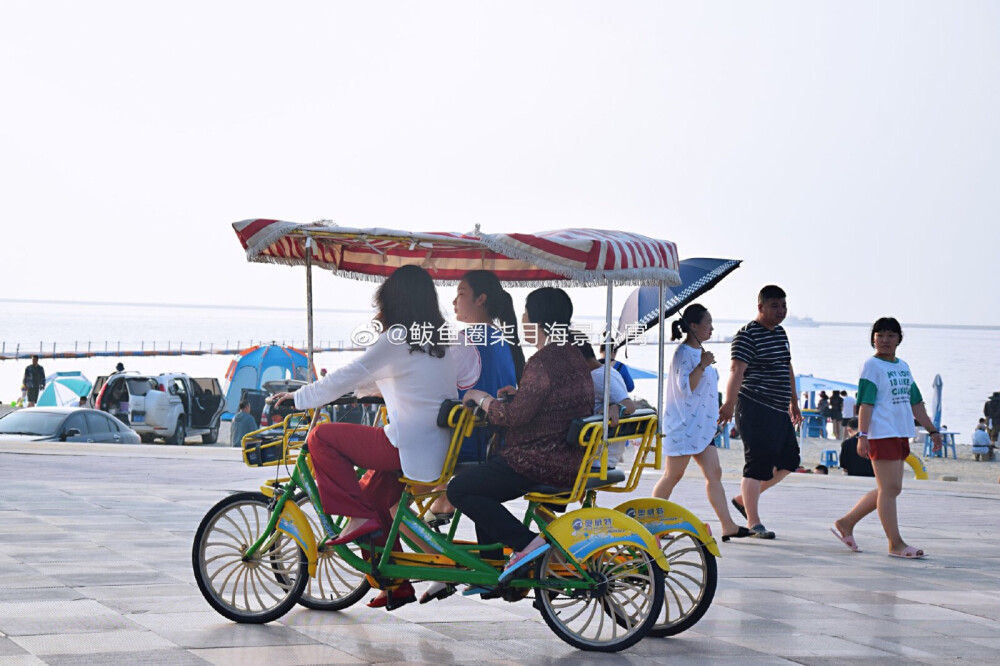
[259,364]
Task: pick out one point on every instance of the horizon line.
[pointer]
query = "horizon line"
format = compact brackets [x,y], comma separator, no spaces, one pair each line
[987,327]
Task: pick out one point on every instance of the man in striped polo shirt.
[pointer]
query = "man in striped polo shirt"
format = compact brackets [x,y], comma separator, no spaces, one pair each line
[761,393]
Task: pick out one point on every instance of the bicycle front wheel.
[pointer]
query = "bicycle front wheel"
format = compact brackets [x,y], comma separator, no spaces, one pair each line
[336,585]
[255,589]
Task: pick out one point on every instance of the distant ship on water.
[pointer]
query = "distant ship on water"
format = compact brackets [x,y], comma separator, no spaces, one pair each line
[800,321]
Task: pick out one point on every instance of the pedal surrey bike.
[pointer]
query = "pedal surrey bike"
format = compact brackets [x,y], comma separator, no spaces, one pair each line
[605,584]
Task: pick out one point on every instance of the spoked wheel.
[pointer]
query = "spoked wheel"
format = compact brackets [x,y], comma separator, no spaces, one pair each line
[689,585]
[336,584]
[252,590]
[616,613]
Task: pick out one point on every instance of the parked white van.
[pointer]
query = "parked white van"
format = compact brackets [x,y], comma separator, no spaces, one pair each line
[170,406]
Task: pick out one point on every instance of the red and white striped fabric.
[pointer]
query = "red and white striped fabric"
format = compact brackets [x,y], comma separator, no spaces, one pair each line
[568,257]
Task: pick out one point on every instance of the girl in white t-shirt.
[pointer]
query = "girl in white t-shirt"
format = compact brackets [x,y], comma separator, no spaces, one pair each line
[889,400]
[691,415]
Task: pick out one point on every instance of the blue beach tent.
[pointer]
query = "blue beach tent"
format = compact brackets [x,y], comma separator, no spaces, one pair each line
[259,364]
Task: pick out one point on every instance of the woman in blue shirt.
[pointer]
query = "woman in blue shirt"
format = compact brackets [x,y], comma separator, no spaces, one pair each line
[488,311]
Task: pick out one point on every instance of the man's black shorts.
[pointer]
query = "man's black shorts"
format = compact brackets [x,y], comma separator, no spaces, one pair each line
[768,440]
[33,395]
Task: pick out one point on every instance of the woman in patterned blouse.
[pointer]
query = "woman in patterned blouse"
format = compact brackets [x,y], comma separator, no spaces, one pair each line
[555,389]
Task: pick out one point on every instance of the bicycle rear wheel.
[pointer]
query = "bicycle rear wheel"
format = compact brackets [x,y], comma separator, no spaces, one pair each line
[336,585]
[689,585]
[613,615]
[251,590]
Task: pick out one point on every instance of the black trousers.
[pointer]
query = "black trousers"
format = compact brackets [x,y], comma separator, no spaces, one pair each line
[480,492]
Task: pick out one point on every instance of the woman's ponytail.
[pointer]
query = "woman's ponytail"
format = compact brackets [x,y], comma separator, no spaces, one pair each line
[508,321]
[693,314]
[500,308]
[677,329]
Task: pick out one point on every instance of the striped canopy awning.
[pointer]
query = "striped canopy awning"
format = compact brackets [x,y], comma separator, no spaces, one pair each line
[571,257]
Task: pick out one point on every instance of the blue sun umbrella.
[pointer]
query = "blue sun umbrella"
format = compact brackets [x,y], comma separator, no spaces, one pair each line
[641,310]
[64,389]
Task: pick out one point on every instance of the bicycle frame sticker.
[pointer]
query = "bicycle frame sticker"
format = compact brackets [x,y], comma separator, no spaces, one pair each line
[585,531]
[661,516]
[421,530]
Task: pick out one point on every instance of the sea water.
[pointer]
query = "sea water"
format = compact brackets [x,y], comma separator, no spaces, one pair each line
[968,360]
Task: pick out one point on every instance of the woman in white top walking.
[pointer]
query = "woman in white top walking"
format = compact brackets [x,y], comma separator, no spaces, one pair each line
[691,414]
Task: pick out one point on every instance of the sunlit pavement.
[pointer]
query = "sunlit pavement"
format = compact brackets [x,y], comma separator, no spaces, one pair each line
[95,567]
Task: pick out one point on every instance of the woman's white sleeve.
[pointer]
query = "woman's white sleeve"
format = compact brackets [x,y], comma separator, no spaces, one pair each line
[359,372]
[680,372]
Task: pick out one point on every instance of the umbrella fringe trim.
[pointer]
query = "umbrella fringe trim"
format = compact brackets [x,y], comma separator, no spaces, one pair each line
[619,277]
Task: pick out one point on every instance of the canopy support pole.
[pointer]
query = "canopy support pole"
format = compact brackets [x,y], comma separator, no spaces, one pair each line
[309,308]
[608,363]
[658,457]
[660,359]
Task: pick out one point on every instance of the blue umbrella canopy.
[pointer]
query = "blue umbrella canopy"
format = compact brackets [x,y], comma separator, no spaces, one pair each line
[64,388]
[641,311]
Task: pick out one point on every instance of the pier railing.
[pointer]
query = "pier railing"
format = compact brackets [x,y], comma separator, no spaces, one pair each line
[90,349]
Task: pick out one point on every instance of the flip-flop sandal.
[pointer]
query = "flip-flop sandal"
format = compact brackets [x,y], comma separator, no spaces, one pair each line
[846,540]
[739,507]
[741,533]
[515,565]
[909,553]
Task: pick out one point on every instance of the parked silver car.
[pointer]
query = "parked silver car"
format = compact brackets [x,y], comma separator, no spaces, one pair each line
[64,424]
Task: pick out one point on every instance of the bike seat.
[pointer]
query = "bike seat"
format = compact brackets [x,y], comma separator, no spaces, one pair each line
[614,476]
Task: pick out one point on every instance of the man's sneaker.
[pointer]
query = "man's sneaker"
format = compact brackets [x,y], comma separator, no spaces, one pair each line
[761,532]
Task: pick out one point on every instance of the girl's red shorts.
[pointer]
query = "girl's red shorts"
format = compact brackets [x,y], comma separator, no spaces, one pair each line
[890,448]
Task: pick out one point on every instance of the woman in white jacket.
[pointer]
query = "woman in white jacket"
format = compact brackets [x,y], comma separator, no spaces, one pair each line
[415,371]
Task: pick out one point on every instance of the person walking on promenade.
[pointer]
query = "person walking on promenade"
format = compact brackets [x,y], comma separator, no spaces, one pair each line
[761,394]
[890,401]
[34,380]
[691,412]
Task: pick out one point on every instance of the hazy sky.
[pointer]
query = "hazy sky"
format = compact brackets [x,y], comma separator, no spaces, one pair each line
[849,151]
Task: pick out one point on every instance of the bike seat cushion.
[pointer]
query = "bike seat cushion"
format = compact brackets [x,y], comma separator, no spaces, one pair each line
[614,476]
[445,411]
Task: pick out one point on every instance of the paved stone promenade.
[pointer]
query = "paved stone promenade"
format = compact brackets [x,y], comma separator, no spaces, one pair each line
[95,567]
